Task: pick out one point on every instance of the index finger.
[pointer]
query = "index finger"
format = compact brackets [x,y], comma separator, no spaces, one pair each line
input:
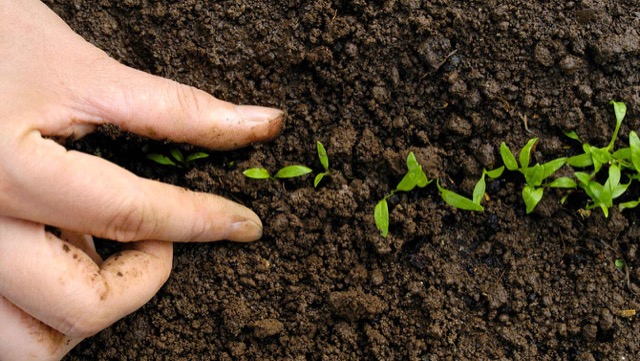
[159,108]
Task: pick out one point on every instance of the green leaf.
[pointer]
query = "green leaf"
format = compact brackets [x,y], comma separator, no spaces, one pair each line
[293,171]
[525,153]
[534,175]
[600,155]
[422,180]
[412,162]
[605,210]
[257,173]
[619,190]
[563,182]
[573,135]
[583,178]
[597,192]
[531,196]
[634,144]
[161,159]
[619,264]
[177,155]
[322,155]
[623,153]
[381,216]
[581,161]
[479,189]
[481,185]
[493,174]
[195,156]
[620,110]
[507,157]
[552,166]
[627,205]
[318,178]
[458,201]
[614,176]
[408,182]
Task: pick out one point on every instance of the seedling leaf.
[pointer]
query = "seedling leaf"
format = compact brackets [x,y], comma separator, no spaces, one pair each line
[531,197]
[581,161]
[624,154]
[479,189]
[177,155]
[534,175]
[600,155]
[620,110]
[408,182]
[552,166]
[412,162]
[627,205]
[293,171]
[458,201]
[573,135]
[257,173]
[507,157]
[525,153]
[563,182]
[495,173]
[318,178]
[161,159]
[381,216]
[322,155]
[195,156]
[634,144]
[422,180]
[583,178]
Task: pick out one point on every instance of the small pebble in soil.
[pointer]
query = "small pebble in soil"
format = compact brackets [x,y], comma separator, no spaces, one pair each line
[267,327]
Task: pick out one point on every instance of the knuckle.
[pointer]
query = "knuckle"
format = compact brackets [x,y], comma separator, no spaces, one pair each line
[82,326]
[129,221]
[189,101]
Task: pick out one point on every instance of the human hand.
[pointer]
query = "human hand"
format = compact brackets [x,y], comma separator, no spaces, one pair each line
[54,289]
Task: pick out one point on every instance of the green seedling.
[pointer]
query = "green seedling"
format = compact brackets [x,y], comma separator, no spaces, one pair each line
[619,264]
[291,171]
[461,202]
[415,176]
[602,195]
[324,160]
[177,159]
[535,176]
[597,157]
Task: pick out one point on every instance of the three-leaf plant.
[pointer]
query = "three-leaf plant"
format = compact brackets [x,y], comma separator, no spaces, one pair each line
[534,175]
[177,159]
[415,176]
[597,157]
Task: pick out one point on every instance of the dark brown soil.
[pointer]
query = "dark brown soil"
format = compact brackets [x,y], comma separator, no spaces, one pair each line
[373,80]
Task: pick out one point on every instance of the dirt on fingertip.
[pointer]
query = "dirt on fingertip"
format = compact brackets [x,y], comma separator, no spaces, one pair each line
[373,81]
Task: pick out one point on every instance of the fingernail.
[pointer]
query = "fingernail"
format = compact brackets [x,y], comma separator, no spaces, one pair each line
[258,114]
[244,231]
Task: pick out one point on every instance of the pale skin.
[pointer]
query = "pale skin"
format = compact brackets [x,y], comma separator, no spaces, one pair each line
[55,290]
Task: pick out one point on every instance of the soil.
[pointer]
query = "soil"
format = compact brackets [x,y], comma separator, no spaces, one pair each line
[373,80]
